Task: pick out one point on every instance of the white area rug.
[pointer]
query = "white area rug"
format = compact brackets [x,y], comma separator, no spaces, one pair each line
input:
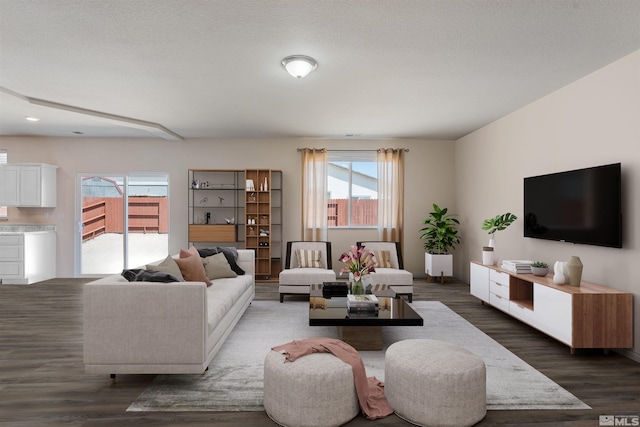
[235,378]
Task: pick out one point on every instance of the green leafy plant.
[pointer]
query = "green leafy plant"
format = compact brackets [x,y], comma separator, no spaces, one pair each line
[540,264]
[498,223]
[440,231]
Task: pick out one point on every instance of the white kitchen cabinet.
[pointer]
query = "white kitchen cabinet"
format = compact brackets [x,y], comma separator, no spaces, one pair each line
[28,185]
[27,257]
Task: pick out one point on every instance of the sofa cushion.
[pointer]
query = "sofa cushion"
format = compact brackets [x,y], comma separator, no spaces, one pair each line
[309,258]
[192,269]
[306,276]
[383,258]
[143,275]
[230,253]
[185,253]
[223,296]
[168,265]
[217,267]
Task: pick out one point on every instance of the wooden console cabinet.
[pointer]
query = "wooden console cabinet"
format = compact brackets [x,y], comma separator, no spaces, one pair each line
[589,316]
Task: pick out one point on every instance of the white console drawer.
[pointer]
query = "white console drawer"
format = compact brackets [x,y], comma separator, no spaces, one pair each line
[499,302]
[499,277]
[521,312]
[499,289]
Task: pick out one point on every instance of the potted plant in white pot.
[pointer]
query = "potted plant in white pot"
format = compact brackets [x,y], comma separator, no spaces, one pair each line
[497,223]
[441,236]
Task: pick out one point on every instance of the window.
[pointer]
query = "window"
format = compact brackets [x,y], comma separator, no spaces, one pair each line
[352,187]
[3,160]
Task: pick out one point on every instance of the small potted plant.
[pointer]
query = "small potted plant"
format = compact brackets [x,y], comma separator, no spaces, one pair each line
[539,268]
[441,236]
[497,223]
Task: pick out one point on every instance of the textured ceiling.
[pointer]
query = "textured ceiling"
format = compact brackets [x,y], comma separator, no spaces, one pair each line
[211,69]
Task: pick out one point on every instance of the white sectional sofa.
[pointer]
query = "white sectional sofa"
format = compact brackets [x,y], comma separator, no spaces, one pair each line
[162,328]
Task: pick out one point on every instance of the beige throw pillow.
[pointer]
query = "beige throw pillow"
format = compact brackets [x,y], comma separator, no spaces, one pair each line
[309,258]
[168,266]
[217,267]
[383,258]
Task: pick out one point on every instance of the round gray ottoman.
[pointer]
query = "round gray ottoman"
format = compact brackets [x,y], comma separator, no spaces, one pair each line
[313,391]
[435,383]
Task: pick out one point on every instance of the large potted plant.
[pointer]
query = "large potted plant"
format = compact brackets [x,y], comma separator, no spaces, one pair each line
[441,236]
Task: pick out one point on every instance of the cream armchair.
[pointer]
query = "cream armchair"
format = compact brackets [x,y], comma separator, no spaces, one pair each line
[390,270]
[306,263]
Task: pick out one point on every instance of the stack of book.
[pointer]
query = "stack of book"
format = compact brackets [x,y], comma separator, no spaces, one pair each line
[362,303]
[517,266]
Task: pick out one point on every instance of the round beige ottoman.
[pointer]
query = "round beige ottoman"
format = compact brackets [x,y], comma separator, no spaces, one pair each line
[435,383]
[314,390]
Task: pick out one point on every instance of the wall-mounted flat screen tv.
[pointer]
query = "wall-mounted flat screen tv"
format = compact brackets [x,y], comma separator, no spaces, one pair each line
[578,206]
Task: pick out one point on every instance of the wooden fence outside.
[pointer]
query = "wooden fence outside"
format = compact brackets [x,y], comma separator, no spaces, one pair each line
[104,215]
[363,212]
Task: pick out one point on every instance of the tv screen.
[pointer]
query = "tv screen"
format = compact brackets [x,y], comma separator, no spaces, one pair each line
[578,206]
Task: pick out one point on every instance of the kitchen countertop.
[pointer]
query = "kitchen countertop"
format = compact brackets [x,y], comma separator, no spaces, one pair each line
[26,228]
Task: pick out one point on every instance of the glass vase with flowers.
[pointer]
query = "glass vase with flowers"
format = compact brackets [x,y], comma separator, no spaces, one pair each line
[358,262]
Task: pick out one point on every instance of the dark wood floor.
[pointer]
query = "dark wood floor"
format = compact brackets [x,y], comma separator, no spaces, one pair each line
[42,379]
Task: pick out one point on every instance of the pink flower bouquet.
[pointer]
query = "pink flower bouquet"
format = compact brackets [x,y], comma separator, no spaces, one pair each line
[358,261]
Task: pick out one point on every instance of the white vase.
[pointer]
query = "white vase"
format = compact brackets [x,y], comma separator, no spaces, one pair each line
[487,256]
[559,277]
[494,255]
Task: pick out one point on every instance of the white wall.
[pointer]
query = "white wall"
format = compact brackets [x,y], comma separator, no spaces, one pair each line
[593,121]
[429,178]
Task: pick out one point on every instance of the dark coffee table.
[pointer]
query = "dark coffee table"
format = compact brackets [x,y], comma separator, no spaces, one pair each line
[362,329]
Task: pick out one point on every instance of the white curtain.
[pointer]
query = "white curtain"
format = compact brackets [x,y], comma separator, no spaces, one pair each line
[314,194]
[390,195]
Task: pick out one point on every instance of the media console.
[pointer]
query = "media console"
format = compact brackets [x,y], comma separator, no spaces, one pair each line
[589,316]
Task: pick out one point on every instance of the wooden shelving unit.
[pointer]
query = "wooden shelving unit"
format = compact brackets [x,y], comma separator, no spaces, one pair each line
[215,196]
[263,220]
[252,199]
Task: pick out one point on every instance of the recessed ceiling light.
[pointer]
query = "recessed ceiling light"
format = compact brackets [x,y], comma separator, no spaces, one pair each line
[31,119]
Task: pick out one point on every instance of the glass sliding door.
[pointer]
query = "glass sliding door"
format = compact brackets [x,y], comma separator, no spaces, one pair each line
[122,222]
[148,219]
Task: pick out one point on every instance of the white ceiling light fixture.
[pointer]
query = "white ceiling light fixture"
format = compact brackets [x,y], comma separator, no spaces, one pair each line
[31,118]
[299,65]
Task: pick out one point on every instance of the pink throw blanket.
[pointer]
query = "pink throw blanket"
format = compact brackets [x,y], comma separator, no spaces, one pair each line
[370,390]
